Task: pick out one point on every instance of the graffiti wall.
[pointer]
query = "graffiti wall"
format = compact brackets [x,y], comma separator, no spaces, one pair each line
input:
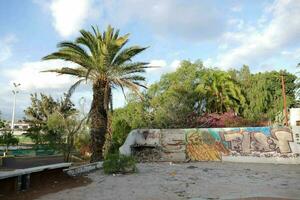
[213,144]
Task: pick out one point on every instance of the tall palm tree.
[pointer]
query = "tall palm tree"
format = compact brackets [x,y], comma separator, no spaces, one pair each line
[102,60]
[220,92]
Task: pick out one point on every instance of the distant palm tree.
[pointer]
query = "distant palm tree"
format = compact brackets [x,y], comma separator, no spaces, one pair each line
[220,92]
[103,61]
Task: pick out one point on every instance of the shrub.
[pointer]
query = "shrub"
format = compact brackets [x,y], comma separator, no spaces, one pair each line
[116,163]
[120,130]
[219,120]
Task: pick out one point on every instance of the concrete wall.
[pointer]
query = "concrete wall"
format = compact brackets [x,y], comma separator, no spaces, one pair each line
[247,144]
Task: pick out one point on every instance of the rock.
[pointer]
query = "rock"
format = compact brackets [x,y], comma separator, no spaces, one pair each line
[191,167]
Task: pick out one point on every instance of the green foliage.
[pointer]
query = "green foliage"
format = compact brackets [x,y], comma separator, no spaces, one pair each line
[2,122]
[7,138]
[174,97]
[63,130]
[82,141]
[193,90]
[53,122]
[119,134]
[102,60]
[298,85]
[264,94]
[38,113]
[220,92]
[116,163]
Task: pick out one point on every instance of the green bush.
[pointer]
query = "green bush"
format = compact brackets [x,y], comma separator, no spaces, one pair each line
[120,130]
[116,163]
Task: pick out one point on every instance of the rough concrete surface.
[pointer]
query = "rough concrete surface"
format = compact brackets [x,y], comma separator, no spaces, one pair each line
[201,180]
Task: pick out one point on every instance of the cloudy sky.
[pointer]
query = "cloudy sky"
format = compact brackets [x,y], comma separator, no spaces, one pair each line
[264,34]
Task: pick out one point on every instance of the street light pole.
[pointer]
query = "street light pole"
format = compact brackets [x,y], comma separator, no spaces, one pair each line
[15,92]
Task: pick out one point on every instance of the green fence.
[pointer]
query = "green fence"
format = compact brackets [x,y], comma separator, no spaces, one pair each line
[40,151]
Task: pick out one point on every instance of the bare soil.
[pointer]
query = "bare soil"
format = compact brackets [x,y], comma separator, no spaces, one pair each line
[195,181]
[47,183]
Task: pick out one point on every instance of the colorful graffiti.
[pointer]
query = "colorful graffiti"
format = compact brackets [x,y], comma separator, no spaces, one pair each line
[212,144]
[202,146]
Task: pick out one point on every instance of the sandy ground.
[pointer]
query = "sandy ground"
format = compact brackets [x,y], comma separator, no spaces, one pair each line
[46,183]
[201,180]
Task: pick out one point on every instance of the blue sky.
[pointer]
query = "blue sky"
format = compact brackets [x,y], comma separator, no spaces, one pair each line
[225,34]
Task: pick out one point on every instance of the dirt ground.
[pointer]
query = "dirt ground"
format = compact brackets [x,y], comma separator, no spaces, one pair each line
[201,180]
[47,183]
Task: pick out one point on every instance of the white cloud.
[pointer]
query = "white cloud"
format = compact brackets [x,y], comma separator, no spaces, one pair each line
[69,15]
[31,78]
[190,20]
[255,45]
[6,46]
[175,64]
[157,64]
[161,67]
[237,8]
[292,54]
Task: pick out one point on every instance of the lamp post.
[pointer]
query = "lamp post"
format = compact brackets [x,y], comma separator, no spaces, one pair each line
[15,92]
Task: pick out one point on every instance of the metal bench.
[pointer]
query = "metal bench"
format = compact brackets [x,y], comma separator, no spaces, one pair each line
[20,179]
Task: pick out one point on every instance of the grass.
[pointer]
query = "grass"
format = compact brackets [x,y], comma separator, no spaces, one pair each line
[24,140]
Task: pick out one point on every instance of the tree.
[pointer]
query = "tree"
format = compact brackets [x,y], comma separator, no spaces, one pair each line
[38,113]
[2,122]
[7,138]
[67,128]
[264,94]
[221,93]
[104,62]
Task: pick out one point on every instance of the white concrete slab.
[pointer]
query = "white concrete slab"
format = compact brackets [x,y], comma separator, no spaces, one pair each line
[19,172]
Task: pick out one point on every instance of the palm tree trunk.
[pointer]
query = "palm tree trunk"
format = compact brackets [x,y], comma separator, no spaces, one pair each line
[98,120]
[111,101]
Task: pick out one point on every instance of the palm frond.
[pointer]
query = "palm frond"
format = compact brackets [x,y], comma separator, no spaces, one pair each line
[127,54]
[78,72]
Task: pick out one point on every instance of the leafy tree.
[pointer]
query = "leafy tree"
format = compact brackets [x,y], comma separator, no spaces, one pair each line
[66,127]
[193,94]
[38,113]
[7,138]
[174,97]
[298,84]
[2,122]
[264,94]
[103,61]
[220,92]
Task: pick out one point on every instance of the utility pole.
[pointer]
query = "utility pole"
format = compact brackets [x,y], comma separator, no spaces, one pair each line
[15,92]
[284,100]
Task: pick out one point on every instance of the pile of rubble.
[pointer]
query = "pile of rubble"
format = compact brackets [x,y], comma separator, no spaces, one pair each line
[146,153]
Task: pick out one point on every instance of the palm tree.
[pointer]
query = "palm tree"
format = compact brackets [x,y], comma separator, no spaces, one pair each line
[220,92]
[102,60]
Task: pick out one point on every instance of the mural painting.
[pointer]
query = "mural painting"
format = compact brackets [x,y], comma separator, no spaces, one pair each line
[202,146]
[212,143]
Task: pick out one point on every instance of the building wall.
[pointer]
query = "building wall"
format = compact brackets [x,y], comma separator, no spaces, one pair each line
[217,144]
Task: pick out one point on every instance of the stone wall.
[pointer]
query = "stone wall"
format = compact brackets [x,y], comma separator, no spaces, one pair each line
[216,144]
